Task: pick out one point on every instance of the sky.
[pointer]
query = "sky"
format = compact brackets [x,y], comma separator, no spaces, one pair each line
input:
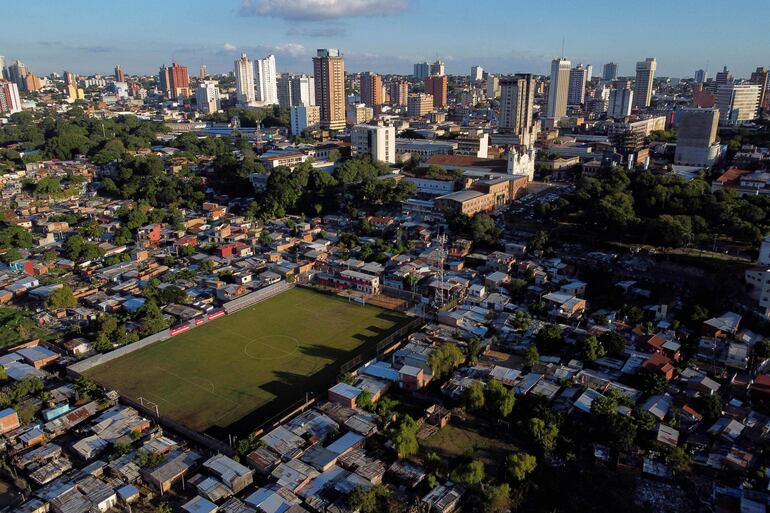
[386,36]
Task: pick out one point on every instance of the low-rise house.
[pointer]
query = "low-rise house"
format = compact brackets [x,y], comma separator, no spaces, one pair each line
[173,468]
[230,472]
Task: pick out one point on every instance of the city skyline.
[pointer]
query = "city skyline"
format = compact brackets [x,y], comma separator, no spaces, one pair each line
[95,37]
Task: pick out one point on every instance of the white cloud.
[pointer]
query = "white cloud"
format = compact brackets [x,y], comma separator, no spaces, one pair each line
[229,48]
[291,49]
[312,10]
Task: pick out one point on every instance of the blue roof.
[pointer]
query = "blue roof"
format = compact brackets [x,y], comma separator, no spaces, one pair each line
[128,490]
[36,353]
[345,390]
[345,442]
[381,370]
[133,304]
[6,412]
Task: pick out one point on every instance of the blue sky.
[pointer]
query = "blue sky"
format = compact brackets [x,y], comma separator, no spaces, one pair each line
[387,36]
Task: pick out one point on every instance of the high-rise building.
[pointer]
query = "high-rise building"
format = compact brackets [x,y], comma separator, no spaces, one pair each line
[418,105]
[371,89]
[203,72]
[589,72]
[477,73]
[700,76]
[437,69]
[610,71]
[120,75]
[576,94]
[436,86]
[295,90]
[759,77]
[9,97]
[493,86]
[265,80]
[723,77]
[737,103]
[379,142]
[620,103]
[329,75]
[421,70]
[558,88]
[358,113]
[399,92]
[645,73]
[17,73]
[174,81]
[70,79]
[696,143]
[244,81]
[3,71]
[517,98]
[304,117]
[32,83]
[207,96]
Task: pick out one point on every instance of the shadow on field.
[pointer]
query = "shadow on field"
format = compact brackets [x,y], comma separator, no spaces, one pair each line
[325,352]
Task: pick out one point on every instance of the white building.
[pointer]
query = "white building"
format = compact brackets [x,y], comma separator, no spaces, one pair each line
[377,141]
[304,117]
[207,96]
[620,103]
[521,161]
[493,86]
[477,73]
[577,85]
[10,102]
[645,74]
[265,81]
[244,81]
[558,88]
[737,103]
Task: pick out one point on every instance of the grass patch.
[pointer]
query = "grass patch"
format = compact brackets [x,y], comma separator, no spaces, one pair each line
[252,364]
[16,327]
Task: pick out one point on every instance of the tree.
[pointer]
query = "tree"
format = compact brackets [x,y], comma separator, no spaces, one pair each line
[85,388]
[591,348]
[445,359]
[544,433]
[712,407]
[520,464]
[472,350]
[499,399]
[405,437]
[614,343]
[372,500]
[762,348]
[469,474]
[364,400]
[497,499]
[473,396]
[333,155]
[531,356]
[62,297]
[164,507]
[549,339]
[680,460]
[151,318]
[521,320]
[483,229]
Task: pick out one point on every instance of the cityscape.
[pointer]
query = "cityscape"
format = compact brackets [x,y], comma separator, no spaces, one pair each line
[262,278]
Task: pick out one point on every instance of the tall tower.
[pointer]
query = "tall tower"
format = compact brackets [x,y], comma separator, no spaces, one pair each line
[517,98]
[759,77]
[371,89]
[577,85]
[244,81]
[120,75]
[610,71]
[266,80]
[645,73]
[437,86]
[329,71]
[558,89]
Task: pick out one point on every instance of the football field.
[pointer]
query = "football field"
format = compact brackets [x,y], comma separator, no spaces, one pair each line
[251,364]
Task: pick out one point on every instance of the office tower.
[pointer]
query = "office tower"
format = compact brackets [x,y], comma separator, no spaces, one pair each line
[493,86]
[304,117]
[696,137]
[244,81]
[265,80]
[9,97]
[645,73]
[418,105]
[120,75]
[3,71]
[759,77]
[329,76]
[589,72]
[174,81]
[207,96]
[17,73]
[421,70]
[303,90]
[283,88]
[620,103]
[558,88]
[371,89]
[203,72]
[32,83]
[737,103]
[164,81]
[700,76]
[379,142]
[477,73]
[723,77]
[576,93]
[399,92]
[436,86]
[437,69]
[610,71]
[517,98]
[69,79]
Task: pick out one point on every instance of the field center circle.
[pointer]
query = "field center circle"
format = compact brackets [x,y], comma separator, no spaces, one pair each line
[264,346]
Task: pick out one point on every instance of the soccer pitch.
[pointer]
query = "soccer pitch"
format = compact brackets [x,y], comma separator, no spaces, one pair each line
[251,364]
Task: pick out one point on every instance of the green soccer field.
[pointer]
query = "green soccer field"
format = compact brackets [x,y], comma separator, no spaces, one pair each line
[251,364]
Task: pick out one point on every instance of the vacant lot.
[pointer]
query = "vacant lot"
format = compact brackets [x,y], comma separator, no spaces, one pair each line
[251,364]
